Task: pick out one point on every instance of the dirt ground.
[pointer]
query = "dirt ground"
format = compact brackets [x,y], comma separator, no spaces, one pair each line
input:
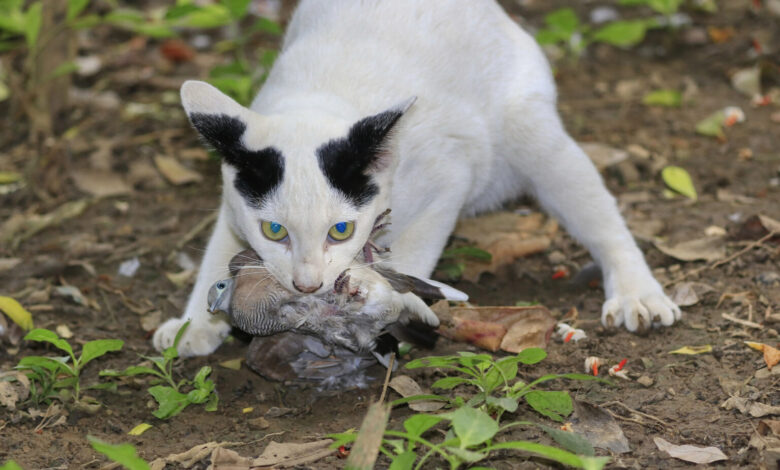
[600,101]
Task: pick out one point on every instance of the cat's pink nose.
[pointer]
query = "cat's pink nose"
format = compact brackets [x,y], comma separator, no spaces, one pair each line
[306,289]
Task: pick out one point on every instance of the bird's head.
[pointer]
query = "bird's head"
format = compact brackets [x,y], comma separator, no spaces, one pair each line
[220,295]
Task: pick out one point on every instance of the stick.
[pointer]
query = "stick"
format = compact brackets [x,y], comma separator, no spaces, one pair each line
[746,323]
[725,260]
[387,378]
[628,408]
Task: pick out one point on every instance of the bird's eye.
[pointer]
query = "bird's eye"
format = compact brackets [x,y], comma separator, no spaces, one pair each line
[341,231]
[274,231]
[221,285]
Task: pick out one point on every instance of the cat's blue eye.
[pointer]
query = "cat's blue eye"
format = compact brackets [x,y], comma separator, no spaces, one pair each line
[341,231]
[274,231]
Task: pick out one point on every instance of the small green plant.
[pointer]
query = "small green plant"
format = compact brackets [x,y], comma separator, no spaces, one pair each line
[452,262]
[124,454]
[472,426]
[10,465]
[58,377]
[170,398]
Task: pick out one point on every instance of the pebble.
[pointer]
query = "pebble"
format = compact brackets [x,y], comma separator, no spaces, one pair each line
[645,381]
[259,423]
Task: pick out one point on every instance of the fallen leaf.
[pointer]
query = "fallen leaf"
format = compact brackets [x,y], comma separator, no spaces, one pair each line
[747,81]
[175,172]
[16,312]
[7,264]
[232,364]
[766,435]
[602,155]
[181,278]
[684,295]
[140,429]
[8,177]
[73,293]
[365,450]
[177,50]
[690,453]
[725,195]
[100,183]
[667,98]
[690,350]
[20,227]
[771,355]
[750,407]
[151,320]
[678,179]
[770,224]
[14,388]
[707,249]
[407,387]
[191,457]
[292,454]
[598,427]
[712,125]
[720,35]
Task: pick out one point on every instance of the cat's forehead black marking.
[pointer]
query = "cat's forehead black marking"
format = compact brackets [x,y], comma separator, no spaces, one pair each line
[347,162]
[259,172]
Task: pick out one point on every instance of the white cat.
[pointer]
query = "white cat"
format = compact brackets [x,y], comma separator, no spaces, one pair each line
[335,137]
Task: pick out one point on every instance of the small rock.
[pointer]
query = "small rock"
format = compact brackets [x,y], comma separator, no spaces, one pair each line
[768,278]
[556,257]
[128,268]
[645,381]
[259,423]
[276,412]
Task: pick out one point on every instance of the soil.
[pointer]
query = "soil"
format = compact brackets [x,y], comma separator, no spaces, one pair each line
[153,220]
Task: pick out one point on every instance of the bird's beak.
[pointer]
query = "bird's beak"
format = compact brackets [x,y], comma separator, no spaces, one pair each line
[213,308]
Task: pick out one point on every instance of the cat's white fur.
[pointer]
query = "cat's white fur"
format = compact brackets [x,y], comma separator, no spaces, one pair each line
[484,130]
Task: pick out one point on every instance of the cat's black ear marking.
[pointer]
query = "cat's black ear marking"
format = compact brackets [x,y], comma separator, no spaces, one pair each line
[221,122]
[349,162]
[259,172]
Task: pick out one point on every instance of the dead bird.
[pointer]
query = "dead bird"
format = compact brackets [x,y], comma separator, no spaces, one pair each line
[365,300]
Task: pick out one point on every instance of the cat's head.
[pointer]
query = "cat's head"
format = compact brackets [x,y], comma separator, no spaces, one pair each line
[302,188]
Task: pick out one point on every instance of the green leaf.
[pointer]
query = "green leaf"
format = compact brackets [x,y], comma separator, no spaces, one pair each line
[86,22]
[11,465]
[213,403]
[622,33]
[207,16]
[178,11]
[49,363]
[471,360]
[13,20]
[237,8]
[200,377]
[169,400]
[530,356]
[467,252]
[237,87]
[64,68]
[570,441]
[432,361]
[466,455]
[403,461]
[75,7]
[97,348]
[448,383]
[32,24]
[472,426]
[556,405]
[712,125]
[264,25]
[564,20]
[120,453]
[553,453]
[130,371]
[341,439]
[405,400]
[48,336]
[416,425]
[506,403]
[667,98]
[679,180]
[665,7]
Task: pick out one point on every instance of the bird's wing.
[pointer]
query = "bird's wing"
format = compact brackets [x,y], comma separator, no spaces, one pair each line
[425,288]
[247,257]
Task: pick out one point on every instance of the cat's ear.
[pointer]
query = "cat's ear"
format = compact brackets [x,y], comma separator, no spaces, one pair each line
[216,116]
[349,163]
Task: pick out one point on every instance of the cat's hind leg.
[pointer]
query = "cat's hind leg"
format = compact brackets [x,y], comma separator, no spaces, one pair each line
[206,331]
[568,186]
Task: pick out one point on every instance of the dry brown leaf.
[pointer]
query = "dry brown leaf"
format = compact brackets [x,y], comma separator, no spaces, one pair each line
[100,183]
[684,295]
[365,450]
[599,427]
[9,263]
[14,387]
[509,328]
[407,387]
[707,249]
[749,407]
[191,457]
[291,454]
[690,453]
[767,435]
[602,155]
[771,354]
[175,172]
[151,320]
[769,223]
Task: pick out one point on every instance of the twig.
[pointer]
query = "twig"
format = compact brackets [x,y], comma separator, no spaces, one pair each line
[387,378]
[746,323]
[628,408]
[725,260]
[189,236]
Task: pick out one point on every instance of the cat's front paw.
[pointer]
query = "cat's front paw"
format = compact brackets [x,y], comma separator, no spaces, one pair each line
[199,339]
[638,312]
